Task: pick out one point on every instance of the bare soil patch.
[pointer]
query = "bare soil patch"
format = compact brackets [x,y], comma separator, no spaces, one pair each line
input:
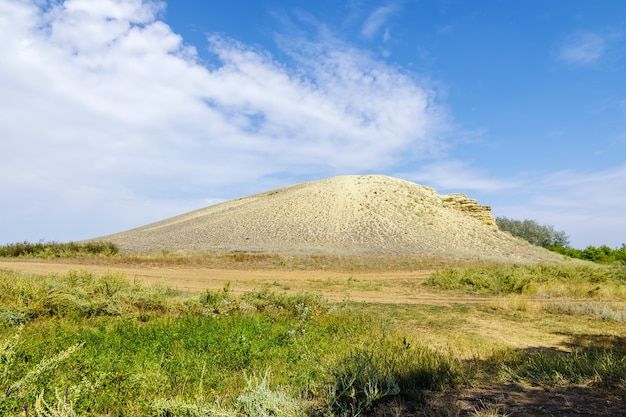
[403,287]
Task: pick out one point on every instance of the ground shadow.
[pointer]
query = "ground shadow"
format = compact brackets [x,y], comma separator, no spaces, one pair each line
[602,395]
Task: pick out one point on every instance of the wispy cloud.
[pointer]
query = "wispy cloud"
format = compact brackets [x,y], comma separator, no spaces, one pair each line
[583,48]
[102,102]
[583,204]
[377,21]
[458,176]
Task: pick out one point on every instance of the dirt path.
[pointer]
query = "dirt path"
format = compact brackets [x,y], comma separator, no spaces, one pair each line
[400,287]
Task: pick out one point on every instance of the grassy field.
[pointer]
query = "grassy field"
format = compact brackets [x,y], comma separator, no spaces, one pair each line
[541,339]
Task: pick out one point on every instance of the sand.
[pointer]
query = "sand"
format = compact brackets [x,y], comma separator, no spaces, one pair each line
[345,215]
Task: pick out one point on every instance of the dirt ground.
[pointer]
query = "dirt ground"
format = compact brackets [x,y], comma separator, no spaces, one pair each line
[376,287]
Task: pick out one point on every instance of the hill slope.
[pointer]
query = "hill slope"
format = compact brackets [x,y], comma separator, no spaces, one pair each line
[347,215]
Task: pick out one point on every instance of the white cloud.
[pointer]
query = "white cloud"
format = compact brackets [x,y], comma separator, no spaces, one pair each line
[101,101]
[457,176]
[588,206]
[583,48]
[377,20]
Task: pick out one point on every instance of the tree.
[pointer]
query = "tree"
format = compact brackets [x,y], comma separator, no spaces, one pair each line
[533,232]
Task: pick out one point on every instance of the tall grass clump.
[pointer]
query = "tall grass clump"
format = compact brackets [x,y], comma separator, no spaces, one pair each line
[416,367]
[545,280]
[591,365]
[57,250]
[392,366]
[78,294]
[361,381]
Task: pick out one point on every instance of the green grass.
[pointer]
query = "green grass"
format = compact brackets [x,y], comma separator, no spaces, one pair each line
[80,344]
[598,361]
[132,345]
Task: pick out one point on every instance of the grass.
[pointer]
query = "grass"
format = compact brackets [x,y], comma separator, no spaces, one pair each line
[597,310]
[592,361]
[188,350]
[582,280]
[83,344]
[58,250]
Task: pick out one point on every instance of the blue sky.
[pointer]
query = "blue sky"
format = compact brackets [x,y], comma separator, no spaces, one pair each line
[118,113]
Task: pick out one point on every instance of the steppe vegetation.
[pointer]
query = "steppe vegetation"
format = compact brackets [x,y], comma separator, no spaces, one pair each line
[540,339]
[54,249]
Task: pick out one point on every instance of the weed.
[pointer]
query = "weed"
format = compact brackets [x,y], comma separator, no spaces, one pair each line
[361,380]
[415,368]
[22,388]
[545,280]
[258,400]
[596,310]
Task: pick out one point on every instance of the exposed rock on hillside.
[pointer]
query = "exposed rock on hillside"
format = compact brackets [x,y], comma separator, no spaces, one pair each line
[347,215]
[470,206]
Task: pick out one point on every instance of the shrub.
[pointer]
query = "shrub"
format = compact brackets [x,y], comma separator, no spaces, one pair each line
[533,232]
[602,254]
[258,400]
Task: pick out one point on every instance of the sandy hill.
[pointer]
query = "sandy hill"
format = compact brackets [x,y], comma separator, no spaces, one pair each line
[346,215]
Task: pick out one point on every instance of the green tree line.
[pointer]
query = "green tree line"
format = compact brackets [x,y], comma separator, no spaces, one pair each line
[558,241]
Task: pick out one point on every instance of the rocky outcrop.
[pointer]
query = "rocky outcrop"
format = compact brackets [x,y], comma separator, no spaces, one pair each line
[470,206]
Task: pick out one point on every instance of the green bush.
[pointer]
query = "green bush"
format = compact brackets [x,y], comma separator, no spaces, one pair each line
[533,232]
[602,254]
[20,384]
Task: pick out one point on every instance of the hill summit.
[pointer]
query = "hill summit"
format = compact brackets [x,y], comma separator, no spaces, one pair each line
[346,215]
